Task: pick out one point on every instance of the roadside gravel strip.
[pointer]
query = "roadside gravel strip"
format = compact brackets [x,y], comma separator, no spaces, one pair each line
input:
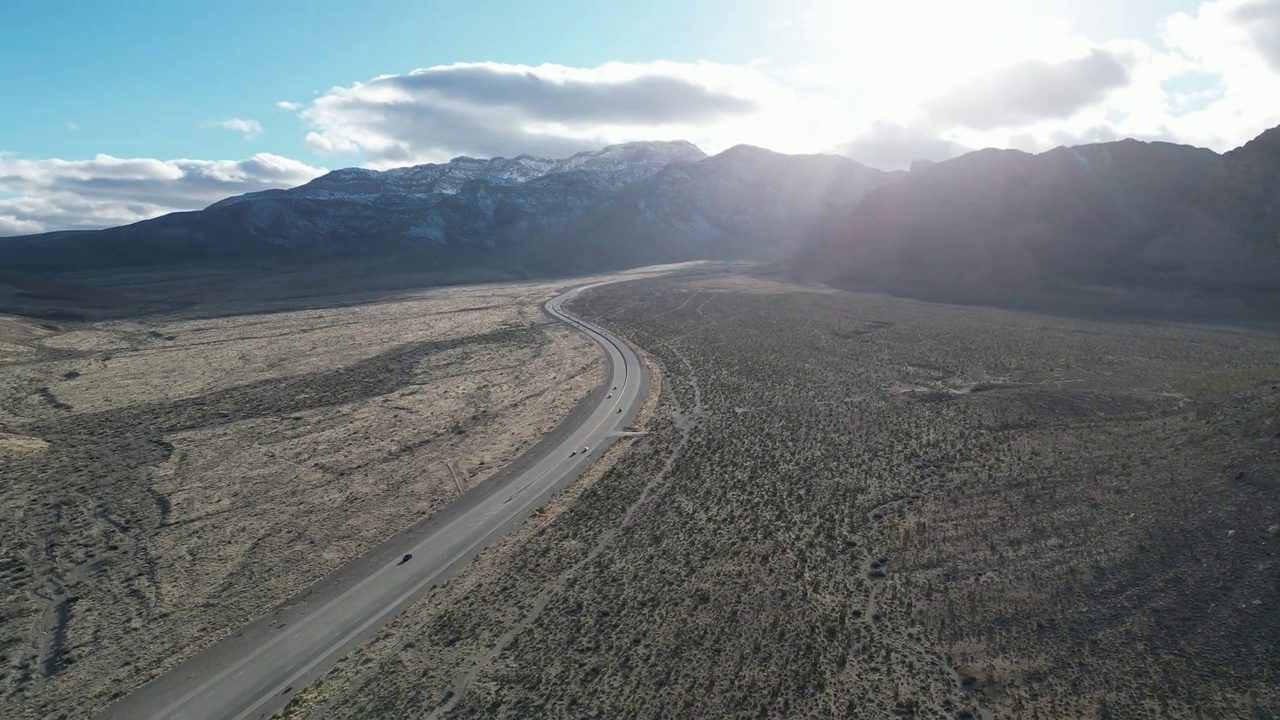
[256,671]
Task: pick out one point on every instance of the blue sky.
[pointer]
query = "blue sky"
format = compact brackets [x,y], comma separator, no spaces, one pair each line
[140,79]
[119,111]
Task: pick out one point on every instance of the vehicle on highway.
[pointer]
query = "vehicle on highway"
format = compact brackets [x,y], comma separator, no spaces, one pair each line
[254,678]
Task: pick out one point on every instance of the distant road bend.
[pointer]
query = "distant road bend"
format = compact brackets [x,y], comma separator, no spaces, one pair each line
[256,672]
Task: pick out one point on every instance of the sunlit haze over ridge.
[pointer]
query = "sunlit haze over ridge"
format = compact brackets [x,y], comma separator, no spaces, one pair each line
[123,113]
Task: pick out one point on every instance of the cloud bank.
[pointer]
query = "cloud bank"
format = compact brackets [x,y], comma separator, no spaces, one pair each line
[1260,20]
[106,191]
[1031,91]
[488,109]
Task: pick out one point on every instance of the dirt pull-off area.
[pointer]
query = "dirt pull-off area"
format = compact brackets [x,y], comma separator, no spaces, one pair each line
[165,481]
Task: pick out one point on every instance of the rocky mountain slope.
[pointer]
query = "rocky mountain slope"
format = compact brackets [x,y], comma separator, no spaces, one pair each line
[1123,223]
[461,212]
[745,203]
[627,204]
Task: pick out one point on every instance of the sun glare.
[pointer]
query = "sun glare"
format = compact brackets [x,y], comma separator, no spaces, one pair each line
[904,51]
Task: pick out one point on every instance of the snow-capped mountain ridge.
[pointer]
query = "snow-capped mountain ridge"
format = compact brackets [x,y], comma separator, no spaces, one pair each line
[479,212]
[614,165]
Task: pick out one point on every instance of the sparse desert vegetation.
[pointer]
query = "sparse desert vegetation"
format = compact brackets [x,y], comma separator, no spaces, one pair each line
[841,505]
[860,506]
[166,480]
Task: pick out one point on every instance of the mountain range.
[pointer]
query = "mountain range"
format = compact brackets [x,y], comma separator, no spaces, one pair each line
[1124,223]
[744,203]
[513,213]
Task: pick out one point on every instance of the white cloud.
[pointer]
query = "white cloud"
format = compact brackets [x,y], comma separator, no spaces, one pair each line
[14,226]
[487,109]
[1031,91]
[249,128]
[1238,41]
[72,126]
[67,194]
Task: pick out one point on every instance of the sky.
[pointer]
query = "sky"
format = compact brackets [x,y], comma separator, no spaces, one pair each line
[116,112]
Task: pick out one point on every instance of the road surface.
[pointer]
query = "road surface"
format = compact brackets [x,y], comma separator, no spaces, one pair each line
[255,672]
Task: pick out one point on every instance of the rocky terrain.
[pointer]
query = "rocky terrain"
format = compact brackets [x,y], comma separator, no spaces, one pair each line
[1128,225]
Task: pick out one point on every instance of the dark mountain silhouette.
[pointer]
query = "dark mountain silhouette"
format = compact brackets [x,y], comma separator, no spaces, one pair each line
[1121,224]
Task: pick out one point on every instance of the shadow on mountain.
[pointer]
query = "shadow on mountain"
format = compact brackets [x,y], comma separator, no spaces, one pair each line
[1114,229]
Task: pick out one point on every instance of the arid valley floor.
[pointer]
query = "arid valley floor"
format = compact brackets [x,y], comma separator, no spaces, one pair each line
[167,481]
[844,505]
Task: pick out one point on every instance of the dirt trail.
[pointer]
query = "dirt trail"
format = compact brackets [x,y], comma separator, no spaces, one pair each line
[454,473]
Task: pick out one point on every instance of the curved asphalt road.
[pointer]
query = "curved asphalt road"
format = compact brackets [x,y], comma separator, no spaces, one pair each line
[258,675]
